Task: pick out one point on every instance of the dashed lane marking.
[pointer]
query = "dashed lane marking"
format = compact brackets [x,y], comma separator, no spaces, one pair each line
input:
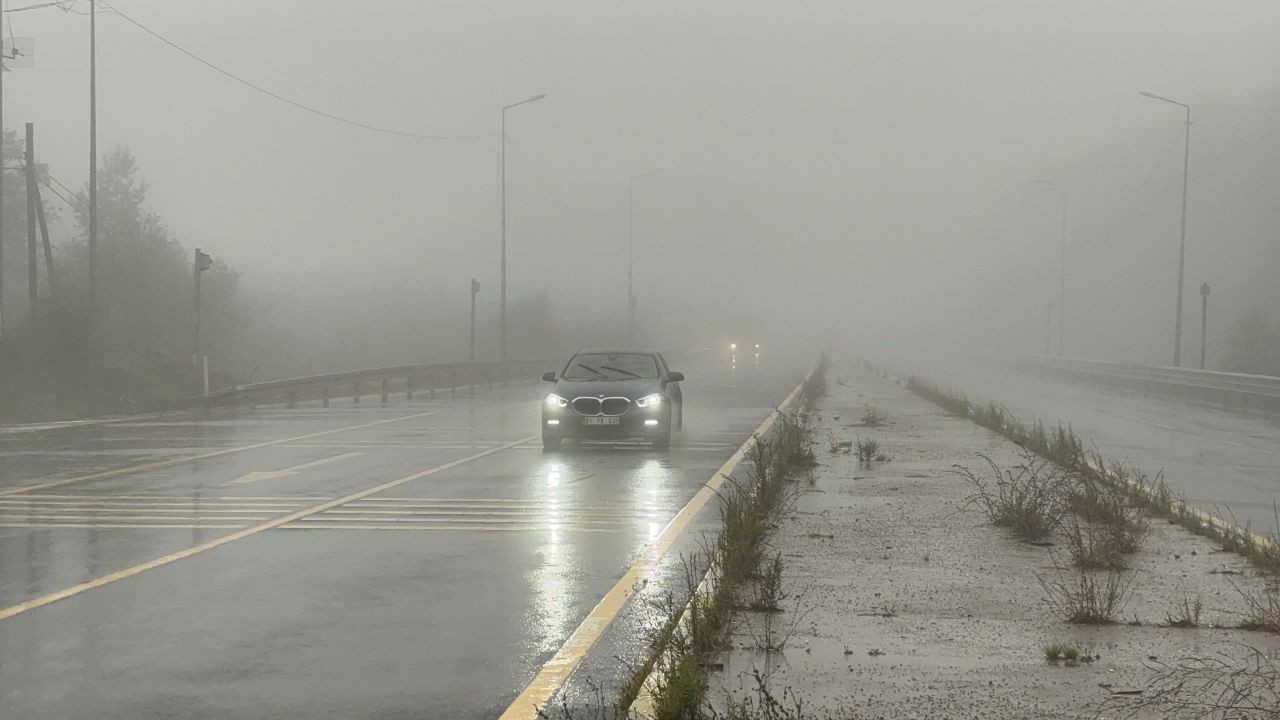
[286,472]
[159,464]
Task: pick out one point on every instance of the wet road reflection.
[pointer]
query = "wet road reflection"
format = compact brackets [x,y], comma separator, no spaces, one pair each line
[442,593]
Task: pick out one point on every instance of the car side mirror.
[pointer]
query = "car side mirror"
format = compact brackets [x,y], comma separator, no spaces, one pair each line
[675,377]
[548,377]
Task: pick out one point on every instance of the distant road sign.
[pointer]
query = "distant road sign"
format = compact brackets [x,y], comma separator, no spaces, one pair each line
[19,52]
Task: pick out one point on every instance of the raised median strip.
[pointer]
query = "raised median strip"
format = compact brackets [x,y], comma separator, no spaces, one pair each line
[915,579]
[930,568]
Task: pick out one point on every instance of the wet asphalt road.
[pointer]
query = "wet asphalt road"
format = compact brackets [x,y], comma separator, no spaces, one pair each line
[1223,462]
[439,596]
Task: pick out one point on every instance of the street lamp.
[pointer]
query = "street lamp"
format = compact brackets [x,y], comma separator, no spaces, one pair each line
[1062,265]
[1182,245]
[502,291]
[631,228]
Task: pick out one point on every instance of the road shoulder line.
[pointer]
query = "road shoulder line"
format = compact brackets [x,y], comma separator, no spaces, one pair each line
[553,674]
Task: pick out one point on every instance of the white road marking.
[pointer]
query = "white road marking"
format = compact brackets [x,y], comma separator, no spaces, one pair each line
[286,472]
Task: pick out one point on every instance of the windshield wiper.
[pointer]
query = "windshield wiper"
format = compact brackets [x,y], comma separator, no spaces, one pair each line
[588,367]
[620,370]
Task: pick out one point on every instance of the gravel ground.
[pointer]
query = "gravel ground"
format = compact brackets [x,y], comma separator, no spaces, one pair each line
[905,603]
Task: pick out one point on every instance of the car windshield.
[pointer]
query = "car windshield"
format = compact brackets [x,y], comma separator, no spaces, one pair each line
[611,366]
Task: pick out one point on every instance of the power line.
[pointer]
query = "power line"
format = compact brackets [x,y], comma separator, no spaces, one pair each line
[64,5]
[289,101]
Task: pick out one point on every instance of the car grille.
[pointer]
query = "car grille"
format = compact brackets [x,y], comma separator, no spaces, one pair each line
[614,405]
[596,406]
[587,405]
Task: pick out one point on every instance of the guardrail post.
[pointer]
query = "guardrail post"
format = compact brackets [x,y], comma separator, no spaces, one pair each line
[324,395]
[355,392]
[384,391]
[408,388]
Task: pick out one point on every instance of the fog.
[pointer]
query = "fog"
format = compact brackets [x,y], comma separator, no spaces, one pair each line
[847,173]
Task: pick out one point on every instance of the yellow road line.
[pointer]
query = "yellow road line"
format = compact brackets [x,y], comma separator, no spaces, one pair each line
[556,671]
[449,528]
[328,517]
[232,537]
[159,464]
[532,512]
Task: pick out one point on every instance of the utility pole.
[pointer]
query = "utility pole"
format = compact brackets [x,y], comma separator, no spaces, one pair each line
[1062,264]
[475,288]
[1204,321]
[2,64]
[201,263]
[48,247]
[631,232]
[1048,329]
[33,291]
[1182,243]
[502,290]
[94,330]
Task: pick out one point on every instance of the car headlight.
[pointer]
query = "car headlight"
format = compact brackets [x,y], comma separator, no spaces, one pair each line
[650,401]
[555,401]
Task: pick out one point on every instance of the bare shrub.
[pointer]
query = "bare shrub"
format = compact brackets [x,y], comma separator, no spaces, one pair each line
[1029,502]
[1185,614]
[1077,595]
[1220,687]
[1262,607]
[1095,546]
[873,417]
[867,450]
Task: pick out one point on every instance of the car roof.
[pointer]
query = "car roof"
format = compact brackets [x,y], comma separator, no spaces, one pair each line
[617,351]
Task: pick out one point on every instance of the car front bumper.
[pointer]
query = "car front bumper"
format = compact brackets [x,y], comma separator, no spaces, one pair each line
[635,423]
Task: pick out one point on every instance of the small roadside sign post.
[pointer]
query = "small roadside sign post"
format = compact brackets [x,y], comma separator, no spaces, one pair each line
[15,52]
[475,289]
[202,262]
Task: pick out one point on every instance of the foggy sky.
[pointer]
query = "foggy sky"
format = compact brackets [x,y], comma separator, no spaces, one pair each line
[864,163]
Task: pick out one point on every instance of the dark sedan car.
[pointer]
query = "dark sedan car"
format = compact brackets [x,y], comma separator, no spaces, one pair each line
[613,395]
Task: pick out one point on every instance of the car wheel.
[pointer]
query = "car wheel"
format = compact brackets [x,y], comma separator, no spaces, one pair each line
[680,420]
[550,441]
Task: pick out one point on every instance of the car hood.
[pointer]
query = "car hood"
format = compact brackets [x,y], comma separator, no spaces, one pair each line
[631,389]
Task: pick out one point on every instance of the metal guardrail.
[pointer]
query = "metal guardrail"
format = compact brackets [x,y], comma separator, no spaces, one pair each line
[1234,391]
[426,378]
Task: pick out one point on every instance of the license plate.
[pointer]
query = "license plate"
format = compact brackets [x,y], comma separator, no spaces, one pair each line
[601,421]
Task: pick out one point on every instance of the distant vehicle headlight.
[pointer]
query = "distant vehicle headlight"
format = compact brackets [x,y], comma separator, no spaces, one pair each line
[650,401]
[555,401]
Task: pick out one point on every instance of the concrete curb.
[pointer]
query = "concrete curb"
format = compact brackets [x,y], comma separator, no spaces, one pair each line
[642,706]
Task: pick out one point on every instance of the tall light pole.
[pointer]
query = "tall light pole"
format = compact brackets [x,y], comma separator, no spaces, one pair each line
[631,234]
[1062,263]
[1204,321]
[1182,244]
[502,290]
[94,335]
